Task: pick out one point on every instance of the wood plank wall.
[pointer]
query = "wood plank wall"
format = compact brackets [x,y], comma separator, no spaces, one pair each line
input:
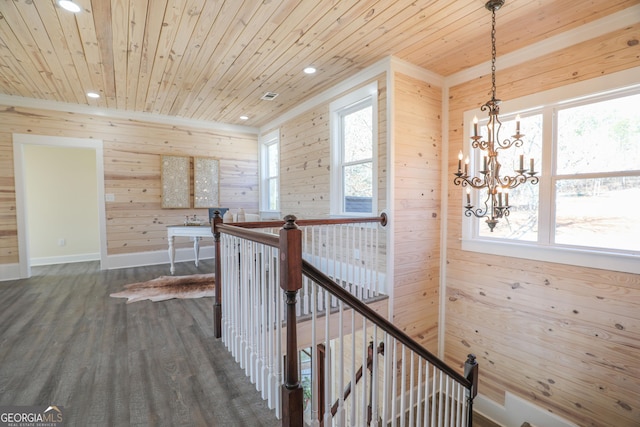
[304,183]
[305,159]
[417,172]
[132,149]
[566,338]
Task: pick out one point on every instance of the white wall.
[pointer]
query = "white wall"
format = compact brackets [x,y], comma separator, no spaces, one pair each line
[61,204]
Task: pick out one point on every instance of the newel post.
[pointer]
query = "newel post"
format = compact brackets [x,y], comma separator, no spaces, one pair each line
[471,373]
[217,304]
[291,282]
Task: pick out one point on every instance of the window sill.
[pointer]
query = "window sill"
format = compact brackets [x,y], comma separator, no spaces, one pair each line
[557,254]
[270,215]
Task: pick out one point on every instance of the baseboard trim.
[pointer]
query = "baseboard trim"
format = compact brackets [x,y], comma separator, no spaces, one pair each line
[9,272]
[64,259]
[517,411]
[140,259]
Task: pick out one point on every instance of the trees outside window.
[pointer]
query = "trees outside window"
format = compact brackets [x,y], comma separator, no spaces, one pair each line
[587,152]
[353,153]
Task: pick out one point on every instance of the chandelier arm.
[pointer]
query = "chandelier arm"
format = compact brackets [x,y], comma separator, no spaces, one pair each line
[477,212]
[515,181]
[490,211]
[481,144]
[473,182]
[508,143]
[508,181]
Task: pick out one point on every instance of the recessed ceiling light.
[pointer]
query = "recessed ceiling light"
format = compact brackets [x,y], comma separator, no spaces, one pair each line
[309,70]
[244,117]
[93,95]
[69,5]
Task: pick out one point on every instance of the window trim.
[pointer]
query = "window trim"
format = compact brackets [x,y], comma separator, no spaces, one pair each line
[265,142]
[624,82]
[365,95]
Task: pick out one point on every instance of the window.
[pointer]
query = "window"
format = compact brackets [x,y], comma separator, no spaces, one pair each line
[270,171]
[596,182]
[583,210]
[354,153]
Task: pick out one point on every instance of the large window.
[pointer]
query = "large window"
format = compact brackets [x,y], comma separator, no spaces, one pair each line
[584,210]
[596,181]
[270,172]
[353,153]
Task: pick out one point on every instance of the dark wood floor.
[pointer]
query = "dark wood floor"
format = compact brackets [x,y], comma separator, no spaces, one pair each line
[64,341]
[481,421]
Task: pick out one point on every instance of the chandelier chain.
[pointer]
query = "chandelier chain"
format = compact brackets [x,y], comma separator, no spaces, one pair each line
[493,53]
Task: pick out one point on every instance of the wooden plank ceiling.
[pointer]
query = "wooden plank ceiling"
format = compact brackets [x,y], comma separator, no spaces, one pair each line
[213,59]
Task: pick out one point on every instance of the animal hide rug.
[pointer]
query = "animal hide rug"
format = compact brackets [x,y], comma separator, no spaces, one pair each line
[168,287]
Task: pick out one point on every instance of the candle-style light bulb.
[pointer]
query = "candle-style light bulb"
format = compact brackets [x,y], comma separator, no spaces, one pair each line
[466,166]
[518,124]
[460,161]
[468,196]
[475,126]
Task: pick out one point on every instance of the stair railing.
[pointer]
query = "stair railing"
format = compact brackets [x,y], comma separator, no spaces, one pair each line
[409,387]
[259,277]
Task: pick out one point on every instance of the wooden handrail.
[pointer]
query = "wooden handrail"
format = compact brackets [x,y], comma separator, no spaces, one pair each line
[342,294]
[234,229]
[243,229]
[382,219]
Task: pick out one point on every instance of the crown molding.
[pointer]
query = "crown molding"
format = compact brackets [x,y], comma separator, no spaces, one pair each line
[20,101]
[363,76]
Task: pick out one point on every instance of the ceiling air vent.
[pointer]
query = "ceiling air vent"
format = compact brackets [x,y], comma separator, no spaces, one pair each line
[269,96]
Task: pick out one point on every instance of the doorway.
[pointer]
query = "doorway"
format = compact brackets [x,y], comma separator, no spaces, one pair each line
[62,240]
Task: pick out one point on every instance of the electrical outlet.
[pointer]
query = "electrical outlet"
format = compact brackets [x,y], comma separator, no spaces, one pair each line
[110,197]
[356,253]
[62,241]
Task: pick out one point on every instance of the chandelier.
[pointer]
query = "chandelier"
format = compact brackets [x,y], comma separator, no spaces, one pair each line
[497,186]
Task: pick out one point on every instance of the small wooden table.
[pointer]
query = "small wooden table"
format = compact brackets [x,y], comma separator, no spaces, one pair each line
[197,232]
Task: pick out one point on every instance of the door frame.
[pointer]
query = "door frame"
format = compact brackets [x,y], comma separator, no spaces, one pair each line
[19,142]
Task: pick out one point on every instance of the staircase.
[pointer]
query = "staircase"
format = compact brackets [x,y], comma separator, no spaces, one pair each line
[297,311]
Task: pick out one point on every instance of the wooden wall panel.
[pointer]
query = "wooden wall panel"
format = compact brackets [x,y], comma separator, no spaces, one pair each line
[131,150]
[8,220]
[566,338]
[417,173]
[305,159]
